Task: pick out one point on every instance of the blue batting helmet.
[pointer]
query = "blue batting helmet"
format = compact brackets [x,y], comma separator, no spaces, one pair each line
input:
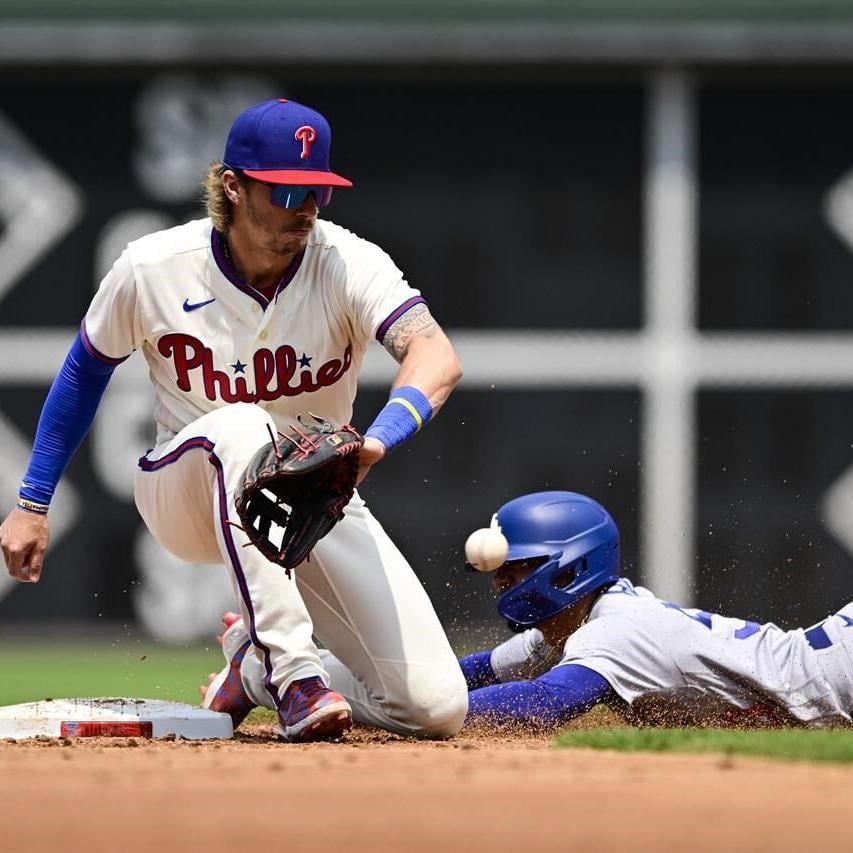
[574,540]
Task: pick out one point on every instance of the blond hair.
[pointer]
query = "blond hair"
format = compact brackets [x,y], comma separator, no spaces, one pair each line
[217,203]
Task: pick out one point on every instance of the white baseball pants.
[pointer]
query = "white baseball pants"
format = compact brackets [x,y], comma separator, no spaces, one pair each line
[385,650]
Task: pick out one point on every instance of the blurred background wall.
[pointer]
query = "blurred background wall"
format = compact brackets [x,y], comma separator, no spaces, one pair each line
[634,219]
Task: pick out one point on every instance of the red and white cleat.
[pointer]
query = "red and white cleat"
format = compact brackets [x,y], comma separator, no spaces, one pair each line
[311,711]
[224,691]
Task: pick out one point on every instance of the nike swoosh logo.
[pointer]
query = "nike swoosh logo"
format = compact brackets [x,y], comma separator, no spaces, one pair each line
[191,307]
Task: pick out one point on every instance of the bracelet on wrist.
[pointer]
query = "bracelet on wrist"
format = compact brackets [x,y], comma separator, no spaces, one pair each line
[32,506]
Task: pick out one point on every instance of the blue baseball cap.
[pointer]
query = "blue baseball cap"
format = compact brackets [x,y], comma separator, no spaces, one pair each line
[282,142]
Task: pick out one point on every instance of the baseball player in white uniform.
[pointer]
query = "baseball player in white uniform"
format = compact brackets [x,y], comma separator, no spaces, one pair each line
[248,318]
[587,636]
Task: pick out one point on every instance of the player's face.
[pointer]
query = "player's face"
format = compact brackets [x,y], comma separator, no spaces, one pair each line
[512,573]
[276,229]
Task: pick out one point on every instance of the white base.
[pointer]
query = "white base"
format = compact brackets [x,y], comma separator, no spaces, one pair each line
[167,718]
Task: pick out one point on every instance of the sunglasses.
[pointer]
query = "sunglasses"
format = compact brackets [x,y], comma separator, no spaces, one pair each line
[283,195]
[290,197]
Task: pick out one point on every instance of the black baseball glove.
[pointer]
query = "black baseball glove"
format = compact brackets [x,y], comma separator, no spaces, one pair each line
[300,482]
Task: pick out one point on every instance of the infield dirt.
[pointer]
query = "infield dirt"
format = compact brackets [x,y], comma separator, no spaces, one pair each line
[376,792]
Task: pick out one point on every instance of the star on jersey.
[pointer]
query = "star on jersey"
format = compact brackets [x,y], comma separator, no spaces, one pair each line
[305,361]
[238,366]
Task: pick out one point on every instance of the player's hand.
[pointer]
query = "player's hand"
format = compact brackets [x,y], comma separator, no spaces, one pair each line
[23,538]
[371,452]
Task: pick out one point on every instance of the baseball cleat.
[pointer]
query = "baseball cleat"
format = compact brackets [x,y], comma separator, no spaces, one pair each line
[225,692]
[312,711]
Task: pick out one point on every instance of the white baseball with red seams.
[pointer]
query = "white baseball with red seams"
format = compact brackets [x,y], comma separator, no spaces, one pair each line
[486,549]
[228,365]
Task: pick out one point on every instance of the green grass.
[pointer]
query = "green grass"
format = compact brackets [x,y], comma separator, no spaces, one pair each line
[261,717]
[835,745]
[143,670]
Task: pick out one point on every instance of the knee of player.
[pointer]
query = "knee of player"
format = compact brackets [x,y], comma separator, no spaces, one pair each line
[437,706]
[244,423]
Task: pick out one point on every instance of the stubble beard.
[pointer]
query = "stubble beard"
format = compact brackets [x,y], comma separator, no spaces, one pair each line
[277,241]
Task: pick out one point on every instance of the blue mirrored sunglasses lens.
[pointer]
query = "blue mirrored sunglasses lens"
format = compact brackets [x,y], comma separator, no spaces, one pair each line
[291,197]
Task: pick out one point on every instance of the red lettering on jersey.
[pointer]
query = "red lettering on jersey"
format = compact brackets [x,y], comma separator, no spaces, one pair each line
[214,379]
[242,392]
[285,368]
[179,348]
[264,364]
[307,136]
[275,372]
[330,372]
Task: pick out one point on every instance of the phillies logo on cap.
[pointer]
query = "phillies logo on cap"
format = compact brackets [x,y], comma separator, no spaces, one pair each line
[261,145]
[306,135]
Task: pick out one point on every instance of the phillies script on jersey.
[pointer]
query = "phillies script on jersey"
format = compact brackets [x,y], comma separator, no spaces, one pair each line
[275,371]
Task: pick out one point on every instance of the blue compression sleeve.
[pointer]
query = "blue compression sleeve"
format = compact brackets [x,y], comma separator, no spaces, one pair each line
[556,697]
[65,419]
[477,669]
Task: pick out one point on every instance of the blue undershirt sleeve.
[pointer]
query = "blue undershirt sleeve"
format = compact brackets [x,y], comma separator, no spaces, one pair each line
[556,697]
[477,669]
[65,419]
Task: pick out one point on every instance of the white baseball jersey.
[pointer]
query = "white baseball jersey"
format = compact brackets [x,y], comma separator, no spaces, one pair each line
[690,666]
[229,366]
[211,339]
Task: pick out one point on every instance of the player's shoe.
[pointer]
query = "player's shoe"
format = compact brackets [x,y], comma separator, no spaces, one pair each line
[226,693]
[311,711]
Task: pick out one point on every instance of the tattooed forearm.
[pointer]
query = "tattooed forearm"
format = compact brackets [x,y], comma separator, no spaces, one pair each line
[416,322]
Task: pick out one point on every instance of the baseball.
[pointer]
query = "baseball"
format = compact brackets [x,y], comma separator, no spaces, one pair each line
[486,549]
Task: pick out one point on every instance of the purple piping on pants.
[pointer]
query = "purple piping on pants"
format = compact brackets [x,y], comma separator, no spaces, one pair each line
[206,444]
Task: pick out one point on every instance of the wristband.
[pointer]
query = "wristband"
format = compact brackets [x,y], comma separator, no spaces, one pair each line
[32,506]
[406,411]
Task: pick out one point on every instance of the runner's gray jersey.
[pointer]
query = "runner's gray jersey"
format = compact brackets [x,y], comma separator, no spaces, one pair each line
[702,662]
[689,666]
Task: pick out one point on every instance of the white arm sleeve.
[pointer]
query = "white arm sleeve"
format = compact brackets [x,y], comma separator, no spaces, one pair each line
[522,657]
